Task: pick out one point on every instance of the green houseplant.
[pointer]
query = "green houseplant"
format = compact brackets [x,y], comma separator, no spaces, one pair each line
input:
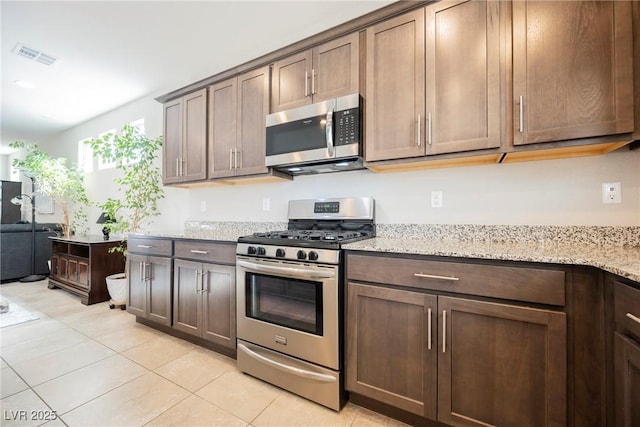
[64,185]
[139,185]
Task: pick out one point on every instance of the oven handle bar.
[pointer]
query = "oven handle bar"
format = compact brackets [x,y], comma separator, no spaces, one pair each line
[286,368]
[287,271]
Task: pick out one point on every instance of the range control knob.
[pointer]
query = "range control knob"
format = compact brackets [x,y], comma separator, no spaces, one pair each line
[301,255]
[251,250]
[280,253]
[260,251]
[313,255]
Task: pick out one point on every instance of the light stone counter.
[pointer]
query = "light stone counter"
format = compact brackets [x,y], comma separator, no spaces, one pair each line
[612,249]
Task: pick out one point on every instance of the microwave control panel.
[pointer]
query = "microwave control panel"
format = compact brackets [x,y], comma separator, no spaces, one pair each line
[347,123]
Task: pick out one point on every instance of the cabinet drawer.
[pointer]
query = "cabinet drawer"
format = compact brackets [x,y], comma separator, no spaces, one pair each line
[202,250]
[627,308]
[545,286]
[149,246]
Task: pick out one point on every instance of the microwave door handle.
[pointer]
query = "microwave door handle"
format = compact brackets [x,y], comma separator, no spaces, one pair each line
[329,134]
[287,271]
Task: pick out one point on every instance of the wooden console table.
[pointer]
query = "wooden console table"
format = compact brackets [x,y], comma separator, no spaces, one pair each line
[80,266]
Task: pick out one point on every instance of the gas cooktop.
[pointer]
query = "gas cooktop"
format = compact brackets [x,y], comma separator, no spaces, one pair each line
[323,223]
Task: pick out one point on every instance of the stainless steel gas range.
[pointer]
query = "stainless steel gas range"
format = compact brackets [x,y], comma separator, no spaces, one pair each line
[290,297]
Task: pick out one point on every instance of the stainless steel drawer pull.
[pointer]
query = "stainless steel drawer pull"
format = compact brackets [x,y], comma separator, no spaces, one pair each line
[145,246]
[444,331]
[429,328]
[197,251]
[634,318]
[433,276]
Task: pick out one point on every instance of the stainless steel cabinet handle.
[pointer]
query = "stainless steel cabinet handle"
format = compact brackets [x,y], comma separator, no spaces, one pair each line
[329,134]
[145,246]
[429,129]
[198,251]
[444,331]
[141,271]
[429,328]
[306,84]
[433,276]
[521,114]
[203,276]
[178,166]
[634,318]
[238,159]
[419,136]
[313,81]
[230,158]
[197,282]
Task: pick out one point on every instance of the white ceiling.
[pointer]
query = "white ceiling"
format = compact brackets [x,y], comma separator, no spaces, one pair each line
[112,52]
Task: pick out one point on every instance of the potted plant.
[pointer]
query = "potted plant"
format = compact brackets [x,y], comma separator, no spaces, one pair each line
[139,186]
[64,185]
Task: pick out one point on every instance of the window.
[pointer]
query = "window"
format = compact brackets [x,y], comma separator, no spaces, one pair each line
[85,156]
[102,163]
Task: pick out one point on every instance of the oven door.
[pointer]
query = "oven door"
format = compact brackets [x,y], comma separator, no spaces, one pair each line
[289,307]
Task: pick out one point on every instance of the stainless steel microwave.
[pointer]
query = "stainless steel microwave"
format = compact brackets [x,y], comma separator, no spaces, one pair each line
[320,137]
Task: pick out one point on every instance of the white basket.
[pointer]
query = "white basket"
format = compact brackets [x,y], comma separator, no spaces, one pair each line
[117,286]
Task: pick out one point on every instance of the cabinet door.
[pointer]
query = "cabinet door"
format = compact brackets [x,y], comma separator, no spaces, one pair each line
[223,128]
[194,139]
[291,82]
[172,146]
[395,88]
[137,285]
[83,273]
[55,265]
[501,365]
[187,291]
[463,76]
[253,107]
[391,347]
[159,301]
[219,304]
[336,68]
[627,381]
[572,66]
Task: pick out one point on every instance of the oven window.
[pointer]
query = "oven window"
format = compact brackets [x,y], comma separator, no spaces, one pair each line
[293,303]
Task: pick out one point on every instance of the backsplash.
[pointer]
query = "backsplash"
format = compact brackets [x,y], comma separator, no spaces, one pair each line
[585,235]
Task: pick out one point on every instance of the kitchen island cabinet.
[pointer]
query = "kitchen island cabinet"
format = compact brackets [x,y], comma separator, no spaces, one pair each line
[327,71]
[81,265]
[204,295]
[149,279]
[513,343]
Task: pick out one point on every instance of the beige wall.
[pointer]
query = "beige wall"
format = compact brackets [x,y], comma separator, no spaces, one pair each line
[559,192]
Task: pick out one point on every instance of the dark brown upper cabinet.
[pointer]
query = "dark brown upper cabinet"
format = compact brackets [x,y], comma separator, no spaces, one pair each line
[326,71]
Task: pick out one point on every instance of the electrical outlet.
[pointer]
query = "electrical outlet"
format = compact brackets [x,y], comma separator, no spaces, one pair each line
[266,204]
[611,192]
[203,206]
[436,199]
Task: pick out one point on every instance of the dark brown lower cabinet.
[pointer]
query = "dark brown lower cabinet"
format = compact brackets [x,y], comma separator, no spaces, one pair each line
[149,290]
[391,340]
[204,300]
[627,381]
[500,365]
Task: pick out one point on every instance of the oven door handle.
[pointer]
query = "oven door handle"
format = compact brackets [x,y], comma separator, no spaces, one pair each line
[286,368]
[287,271]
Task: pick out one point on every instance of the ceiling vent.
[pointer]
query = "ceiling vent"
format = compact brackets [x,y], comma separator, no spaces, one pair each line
[33,54]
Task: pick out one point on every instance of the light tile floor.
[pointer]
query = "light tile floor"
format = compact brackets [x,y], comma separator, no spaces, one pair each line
[83,365]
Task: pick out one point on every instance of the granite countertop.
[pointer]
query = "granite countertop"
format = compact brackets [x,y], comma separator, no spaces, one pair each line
[621,260]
